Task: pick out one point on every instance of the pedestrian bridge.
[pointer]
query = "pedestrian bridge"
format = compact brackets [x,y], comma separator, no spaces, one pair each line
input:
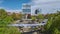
[30,25]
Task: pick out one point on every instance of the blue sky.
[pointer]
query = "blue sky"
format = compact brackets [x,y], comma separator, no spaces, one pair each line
[46,6]
[12,4]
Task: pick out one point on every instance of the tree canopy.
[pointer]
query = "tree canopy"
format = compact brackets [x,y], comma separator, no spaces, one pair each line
[4,21]
[4,18]
[53,25]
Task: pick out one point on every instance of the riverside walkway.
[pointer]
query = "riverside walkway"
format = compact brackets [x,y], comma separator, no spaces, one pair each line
[29,28]
[28,25]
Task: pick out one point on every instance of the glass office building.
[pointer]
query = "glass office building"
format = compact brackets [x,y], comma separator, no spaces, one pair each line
[37,11]
[26,8]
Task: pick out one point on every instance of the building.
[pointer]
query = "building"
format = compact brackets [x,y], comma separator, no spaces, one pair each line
[9,13]
[37,11]
[26,9]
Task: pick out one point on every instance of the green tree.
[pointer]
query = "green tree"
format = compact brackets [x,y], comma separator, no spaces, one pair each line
[53,25]
[9,30]
[4,21]
[16,16]
[40,16]
[4,18]
[33,18]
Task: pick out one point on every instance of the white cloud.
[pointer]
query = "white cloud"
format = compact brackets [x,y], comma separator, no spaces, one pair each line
[1,7]
[16,11]
[47,6]
[39,1]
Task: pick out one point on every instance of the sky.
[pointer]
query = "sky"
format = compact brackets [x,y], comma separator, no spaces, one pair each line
[46,6]
[12,4]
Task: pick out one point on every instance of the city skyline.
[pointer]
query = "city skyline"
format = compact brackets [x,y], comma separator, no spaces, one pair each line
[47,6]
